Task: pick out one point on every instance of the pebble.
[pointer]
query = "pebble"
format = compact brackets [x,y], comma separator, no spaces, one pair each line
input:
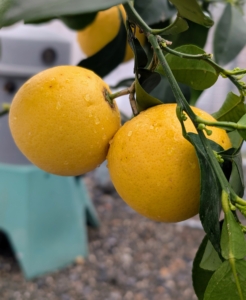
[130,258]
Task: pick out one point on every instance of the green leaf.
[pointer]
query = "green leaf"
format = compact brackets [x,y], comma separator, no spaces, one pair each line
[195,35]
[78,21]
[195,94]
[237,177]
[210,194]
[4,6]
[43,9]
[222,285]
[178,26]
[232,109]
[242,122]
[200,277]
[230,35]
[210,260]
[236,139]
[197,74]
[149,80]
[153,89]
[191,10]
[233,244]
[153,11]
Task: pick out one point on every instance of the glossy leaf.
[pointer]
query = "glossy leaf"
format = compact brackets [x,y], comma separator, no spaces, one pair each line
[196,35]
[144,87]
[78,21]
[233,244]
[109,57]
[195,94]
[197,74]
[227,46]
[210,260]
[153,11]
[210,194]
[237,177]
[232,109]
[178,26]
[200,276]
[242,132]
[153,89]
[191,10]
[236,139]
[37,10]
[222,285]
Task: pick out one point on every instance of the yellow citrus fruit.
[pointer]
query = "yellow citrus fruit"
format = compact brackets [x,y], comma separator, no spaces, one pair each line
[62,122]
[103,30]
[154,168]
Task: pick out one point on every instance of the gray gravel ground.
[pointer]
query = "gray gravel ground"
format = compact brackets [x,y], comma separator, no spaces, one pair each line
[130,258]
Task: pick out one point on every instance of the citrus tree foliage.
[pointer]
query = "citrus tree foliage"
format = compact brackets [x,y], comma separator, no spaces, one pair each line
[173,67]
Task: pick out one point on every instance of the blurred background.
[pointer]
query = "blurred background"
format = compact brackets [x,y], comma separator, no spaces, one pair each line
[127,256]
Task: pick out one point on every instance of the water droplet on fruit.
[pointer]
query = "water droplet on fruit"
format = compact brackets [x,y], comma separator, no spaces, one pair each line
[104,137]
[129,133]
[110,142]
[151,127]
[170,151]
[97,121]
[176,137]
[58,105]
[87,97]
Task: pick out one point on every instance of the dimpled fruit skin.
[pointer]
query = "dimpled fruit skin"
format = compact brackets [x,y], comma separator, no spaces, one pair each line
[103,30]
[100,32]
[154,168]
[61,121]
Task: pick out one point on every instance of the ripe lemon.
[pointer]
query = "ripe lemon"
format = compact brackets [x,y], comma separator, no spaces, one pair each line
[154,168]
[103,30]
[62,122]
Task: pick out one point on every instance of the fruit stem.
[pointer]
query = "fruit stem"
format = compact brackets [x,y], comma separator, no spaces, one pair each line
[163,44]
[108,98]
[128,91]
[225,125]
[118,94]
[174,85]
[132,100]
[133,16]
